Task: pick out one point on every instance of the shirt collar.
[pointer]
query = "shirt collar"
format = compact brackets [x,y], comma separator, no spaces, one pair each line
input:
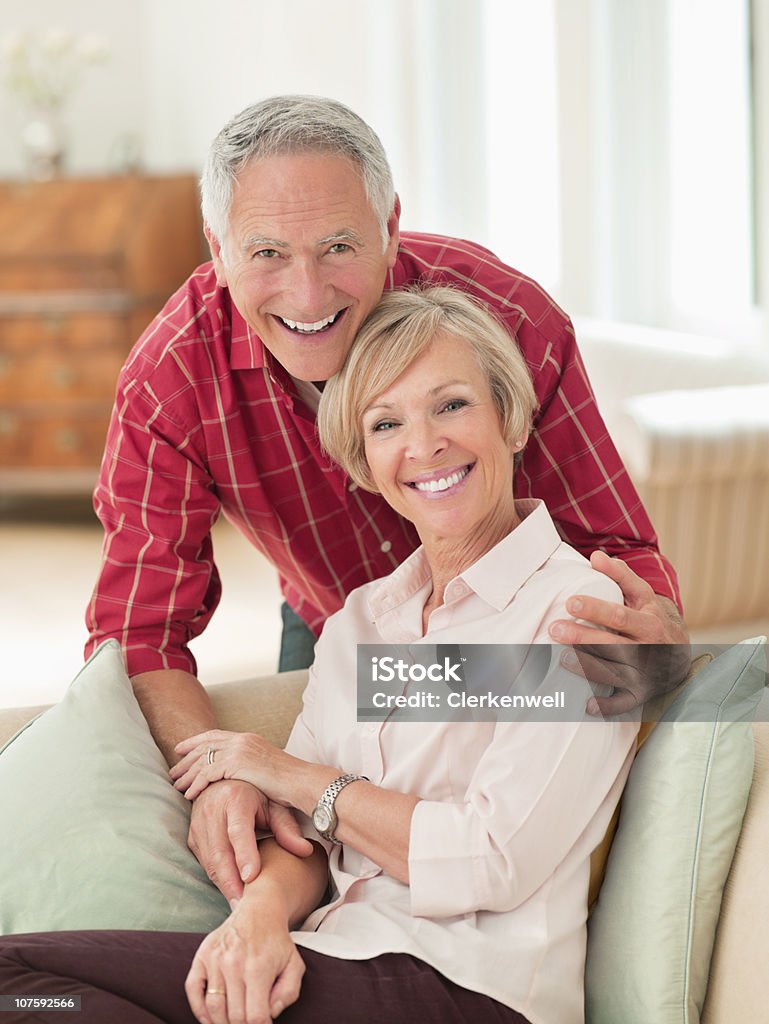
[246,349]
[496,577]
[248,352]
[520,554]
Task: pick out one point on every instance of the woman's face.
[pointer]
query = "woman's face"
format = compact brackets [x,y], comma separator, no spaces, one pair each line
[434,444]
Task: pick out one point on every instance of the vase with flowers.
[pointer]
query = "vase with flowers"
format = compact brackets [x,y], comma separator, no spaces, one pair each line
[41,72]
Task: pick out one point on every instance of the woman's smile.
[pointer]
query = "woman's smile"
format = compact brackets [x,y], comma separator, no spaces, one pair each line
[436,451]
[442,483]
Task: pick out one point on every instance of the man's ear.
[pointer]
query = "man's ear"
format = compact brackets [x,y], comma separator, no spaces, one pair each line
[393,232]
[216,255]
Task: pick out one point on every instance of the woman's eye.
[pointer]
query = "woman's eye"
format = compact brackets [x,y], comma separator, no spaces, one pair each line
[454,404]
[382,425]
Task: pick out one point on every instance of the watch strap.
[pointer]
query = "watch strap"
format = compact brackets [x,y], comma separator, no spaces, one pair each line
[328,799]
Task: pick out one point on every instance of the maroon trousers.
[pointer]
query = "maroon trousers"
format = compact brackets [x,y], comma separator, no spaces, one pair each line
[138,978]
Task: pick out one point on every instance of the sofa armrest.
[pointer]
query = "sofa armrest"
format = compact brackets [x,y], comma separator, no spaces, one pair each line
[700,462]
[267,705]
[704,434]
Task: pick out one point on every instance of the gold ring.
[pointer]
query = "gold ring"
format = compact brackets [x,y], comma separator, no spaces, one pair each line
[215,992]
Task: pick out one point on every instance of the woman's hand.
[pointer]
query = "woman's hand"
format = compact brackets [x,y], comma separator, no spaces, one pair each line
[214,755]
[248,969]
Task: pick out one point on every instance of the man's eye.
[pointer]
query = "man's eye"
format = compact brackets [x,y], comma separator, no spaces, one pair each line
[266,254]
[339,247]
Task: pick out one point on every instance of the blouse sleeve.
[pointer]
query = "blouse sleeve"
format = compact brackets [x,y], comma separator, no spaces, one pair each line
[535,791]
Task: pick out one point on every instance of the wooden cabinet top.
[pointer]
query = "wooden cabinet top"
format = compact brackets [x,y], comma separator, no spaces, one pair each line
[136,233]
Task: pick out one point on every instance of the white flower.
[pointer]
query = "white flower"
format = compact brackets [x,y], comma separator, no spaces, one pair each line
[43,70]
[93,48]
[56,42]
[13,46]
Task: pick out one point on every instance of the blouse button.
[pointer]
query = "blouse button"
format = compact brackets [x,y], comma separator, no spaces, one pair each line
[385,546]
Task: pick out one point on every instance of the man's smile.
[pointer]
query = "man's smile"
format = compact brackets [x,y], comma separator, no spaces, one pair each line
[315,328]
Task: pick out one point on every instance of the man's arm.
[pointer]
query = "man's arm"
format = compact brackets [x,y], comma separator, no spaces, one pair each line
[222,835]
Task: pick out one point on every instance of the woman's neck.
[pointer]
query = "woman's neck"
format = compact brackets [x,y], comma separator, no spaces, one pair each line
[448,557]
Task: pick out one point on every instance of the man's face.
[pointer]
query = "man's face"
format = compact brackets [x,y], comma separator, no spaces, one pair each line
[304,258]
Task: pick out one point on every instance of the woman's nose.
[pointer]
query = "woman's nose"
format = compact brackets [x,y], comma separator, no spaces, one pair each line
[425,441]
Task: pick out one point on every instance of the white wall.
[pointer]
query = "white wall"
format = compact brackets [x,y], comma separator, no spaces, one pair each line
[180,68]
[107,109]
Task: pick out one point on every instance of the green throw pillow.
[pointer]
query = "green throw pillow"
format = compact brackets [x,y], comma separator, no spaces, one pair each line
[652,931]
[94,835]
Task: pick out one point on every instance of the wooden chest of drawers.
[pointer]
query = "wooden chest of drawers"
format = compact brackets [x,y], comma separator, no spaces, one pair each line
[84,266]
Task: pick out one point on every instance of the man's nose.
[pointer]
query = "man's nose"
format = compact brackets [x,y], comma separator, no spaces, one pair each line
[309,290]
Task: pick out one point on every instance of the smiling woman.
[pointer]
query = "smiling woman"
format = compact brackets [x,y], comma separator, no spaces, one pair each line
[429,411]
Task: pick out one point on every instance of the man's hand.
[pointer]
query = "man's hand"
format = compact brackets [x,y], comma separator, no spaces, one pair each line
[640,648]
[222,837]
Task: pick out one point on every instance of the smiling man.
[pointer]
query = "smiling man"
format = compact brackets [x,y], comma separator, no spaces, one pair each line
[215,411]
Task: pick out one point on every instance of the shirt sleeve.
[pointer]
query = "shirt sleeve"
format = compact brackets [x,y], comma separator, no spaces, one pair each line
[572,464]
[158,585]
[534,792]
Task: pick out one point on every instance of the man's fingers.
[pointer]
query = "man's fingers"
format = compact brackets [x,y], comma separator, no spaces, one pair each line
[286,830]
[209,840]
[241,833]
[618,704]
[635,591]
[599,668]
[567,631]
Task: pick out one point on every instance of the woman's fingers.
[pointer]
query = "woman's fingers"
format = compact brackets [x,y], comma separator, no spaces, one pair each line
[287,986]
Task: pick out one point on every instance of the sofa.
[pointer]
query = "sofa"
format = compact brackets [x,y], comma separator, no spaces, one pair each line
[690,416]
[738,985]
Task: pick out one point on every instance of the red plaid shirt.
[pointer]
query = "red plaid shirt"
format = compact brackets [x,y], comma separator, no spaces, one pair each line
[206,420]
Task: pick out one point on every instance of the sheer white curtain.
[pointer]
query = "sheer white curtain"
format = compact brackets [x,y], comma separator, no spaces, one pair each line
[656,117]
[602,146]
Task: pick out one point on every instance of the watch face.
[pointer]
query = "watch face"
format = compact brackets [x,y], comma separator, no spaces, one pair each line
[321,818]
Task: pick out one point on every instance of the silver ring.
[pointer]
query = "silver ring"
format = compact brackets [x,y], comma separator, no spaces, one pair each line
[210,759]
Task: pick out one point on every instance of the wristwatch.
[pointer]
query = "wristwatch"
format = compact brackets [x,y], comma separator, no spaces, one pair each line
[324,816]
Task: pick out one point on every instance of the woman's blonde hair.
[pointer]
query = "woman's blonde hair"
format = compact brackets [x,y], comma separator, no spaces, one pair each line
[396,333]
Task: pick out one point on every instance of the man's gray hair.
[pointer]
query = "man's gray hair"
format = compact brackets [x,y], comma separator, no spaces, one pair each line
[293,124]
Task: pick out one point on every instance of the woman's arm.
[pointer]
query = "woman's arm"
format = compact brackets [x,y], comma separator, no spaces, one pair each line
[374,821]
[249,966]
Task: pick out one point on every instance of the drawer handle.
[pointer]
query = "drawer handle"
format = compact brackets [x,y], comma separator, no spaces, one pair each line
[9,425]
[66,440]
[54,323]
[63,376]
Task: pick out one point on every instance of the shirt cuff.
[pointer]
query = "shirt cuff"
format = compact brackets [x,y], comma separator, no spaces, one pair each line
[448,860]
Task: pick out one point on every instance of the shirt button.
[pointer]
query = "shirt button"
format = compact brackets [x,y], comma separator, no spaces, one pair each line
[352,486]
[385,546]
